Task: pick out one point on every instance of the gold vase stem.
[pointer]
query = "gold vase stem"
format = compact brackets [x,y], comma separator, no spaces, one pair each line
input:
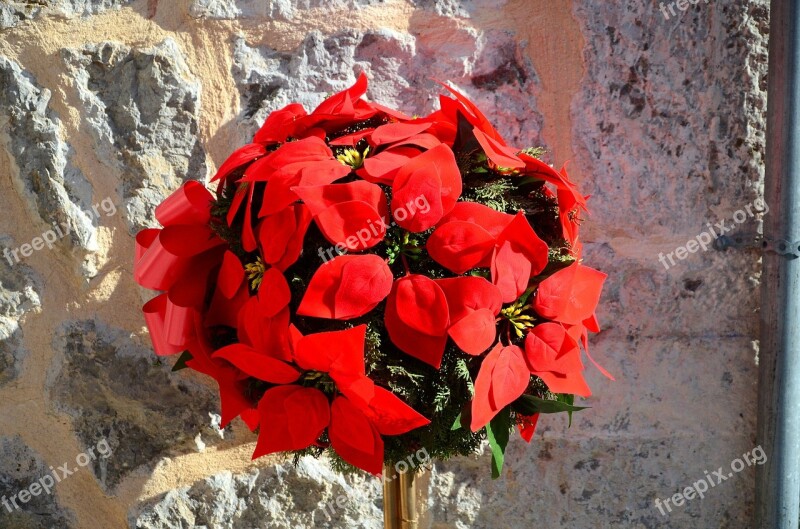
[400,499]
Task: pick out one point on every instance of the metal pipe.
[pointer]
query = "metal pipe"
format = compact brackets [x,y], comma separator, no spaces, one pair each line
[401,492]
[778,480]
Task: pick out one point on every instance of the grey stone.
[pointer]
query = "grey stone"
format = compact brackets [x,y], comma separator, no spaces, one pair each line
[279,497]
[273,9]
[20,466]
[12,12]
[142,108]
[488,66]
[19,294]
[117,390]
[44,175]
[457,8]
[656,101]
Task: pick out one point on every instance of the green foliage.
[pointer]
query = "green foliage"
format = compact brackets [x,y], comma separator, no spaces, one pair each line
[498,431]
[181,362]
[530,404]
[497,194]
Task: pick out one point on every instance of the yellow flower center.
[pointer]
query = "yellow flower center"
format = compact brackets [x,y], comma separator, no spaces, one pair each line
[353,158]
[255,273]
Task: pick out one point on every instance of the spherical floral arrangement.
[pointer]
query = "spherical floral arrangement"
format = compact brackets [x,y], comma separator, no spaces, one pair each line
[367,284]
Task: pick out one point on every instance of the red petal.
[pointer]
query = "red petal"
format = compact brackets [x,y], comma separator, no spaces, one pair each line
[527,426]
[269,335]
[499,154]
[364,283]
[333,291]
[476,332]
[548,347]
[190,204]
[429,349]
[292,418]
[273,292]
[487,218]
[482,407]
[425,189]
[340,353]
[188,240]
[519,255]
[231,275]
[391,415]
[354,437]
[572,383]
[155,312]
[350,140]
[383,167]
[511,272]
[258,365]
[240,157]
[338,103]
[460,246]
[279,125]
[396,132]
[502,379]
[570,295]
[510,377]
[421,304]
[470,293]
[355,225]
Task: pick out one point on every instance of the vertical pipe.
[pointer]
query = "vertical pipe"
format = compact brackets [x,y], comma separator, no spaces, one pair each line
[401,492]
[778,480]
[391,499]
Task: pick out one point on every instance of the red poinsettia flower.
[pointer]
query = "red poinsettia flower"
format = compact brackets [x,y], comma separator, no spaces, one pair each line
[293,416]
[237,270]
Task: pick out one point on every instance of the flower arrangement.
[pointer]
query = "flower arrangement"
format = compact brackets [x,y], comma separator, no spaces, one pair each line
[368,284]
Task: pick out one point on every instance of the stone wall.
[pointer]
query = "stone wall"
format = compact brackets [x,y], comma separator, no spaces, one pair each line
[108,105]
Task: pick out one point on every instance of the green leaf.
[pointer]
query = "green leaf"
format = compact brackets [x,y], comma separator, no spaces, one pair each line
[497,431]
[181,363]
[457,424]
[569,400]
[528,405]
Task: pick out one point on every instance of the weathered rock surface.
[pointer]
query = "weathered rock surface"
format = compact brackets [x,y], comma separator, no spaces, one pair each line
[19,467]
[115,389]
[12,12]
[44,175]
[488,66]
[19,288]
[279,497]
[277,9]
[142,107]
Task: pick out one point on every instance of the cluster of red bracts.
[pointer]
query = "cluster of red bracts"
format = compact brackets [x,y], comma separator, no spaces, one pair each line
[205,285]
